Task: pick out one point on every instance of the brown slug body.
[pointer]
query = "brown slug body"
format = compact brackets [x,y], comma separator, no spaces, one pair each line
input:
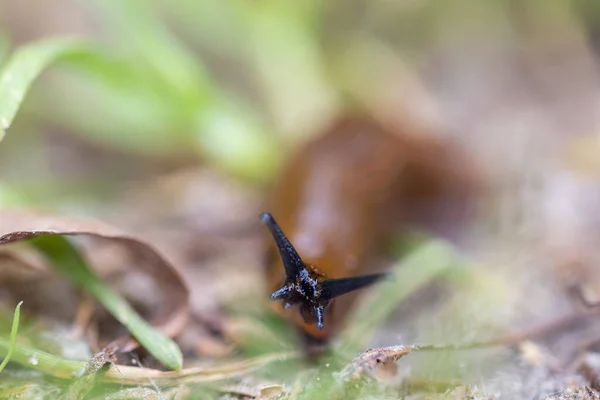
[339,199]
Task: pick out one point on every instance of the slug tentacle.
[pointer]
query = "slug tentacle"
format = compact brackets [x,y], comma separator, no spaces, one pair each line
[332,288]
[292,263]
[304,286]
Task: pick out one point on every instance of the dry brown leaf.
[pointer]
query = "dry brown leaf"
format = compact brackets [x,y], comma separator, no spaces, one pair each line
[254,391]
[270,392]
[16,225]
[379,363]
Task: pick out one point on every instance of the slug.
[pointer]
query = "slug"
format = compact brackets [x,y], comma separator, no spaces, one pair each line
[335,207]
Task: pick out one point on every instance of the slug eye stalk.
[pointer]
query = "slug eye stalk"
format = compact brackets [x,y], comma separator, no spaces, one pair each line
[303,286]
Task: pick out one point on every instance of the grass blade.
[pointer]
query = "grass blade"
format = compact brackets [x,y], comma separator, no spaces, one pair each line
[137,24]
[228,131]
[13,336]
[419,268]
[67,260]
[40,360]
[26,64]
[58,367]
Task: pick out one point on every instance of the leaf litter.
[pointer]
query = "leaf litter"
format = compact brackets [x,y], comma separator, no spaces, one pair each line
[379,364]
[19,225]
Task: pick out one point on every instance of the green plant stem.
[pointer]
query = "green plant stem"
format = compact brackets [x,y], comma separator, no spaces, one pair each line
[13,336]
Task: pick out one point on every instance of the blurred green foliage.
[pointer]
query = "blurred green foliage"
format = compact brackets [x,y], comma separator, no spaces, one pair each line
[144,91]
[237,83]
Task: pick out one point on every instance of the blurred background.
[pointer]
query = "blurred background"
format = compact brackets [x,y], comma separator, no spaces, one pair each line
[177,127]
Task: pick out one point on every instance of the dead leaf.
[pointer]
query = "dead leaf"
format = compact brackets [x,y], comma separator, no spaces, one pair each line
[16,225]
[24,275]
[379,363]
[254,390]
[270,392]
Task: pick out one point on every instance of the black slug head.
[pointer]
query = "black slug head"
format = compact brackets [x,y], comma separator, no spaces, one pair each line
[304,287]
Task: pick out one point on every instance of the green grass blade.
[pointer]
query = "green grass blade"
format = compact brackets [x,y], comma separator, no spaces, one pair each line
[55,366]
[418,269]
[40,360]
[13,336]
[137,23]
[67,260]
[26,64]
[228,131]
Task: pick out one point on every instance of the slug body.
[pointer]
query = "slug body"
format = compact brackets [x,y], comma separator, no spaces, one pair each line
[339,199]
